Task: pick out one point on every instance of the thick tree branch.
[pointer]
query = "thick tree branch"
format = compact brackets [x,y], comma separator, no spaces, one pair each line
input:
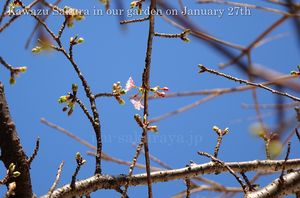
[281,187]
[11,149]
[112,182]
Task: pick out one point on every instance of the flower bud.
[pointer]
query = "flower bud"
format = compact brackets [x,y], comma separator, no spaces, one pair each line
[123,91]
[216,129]
[80,40]
[16,174]
[294,73]
[226,130]
[74,87]
[70,112]
[12,167]
[12,80]
[154,89]
[161,94]
[21,69]
[152,128]
[185,39]
[134,4]
[138,119]
[36,49]
[63,99]
[78,156]
[164,88]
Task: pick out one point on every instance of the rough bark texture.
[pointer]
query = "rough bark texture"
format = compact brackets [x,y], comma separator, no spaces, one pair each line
[97,182]
[279,188]
[12,151]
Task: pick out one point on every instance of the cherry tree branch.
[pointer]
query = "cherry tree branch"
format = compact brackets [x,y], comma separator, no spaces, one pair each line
[97,182]
[281,187]
[12,150]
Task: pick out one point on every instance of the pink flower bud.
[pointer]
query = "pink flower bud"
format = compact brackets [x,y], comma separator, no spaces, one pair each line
[165,88]
[161,94]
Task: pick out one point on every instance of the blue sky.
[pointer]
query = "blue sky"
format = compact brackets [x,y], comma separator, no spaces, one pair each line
[112,53]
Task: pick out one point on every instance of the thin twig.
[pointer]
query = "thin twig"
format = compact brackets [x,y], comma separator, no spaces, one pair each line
[96,120]
[225,90]
[90,146]
[37,26]
[248,182]
[35,152]
[7,24]
[50,192]
[188,188]
[98,95]
[133,164]
[80,161]
[183,109]
[62,28]
[271,106]
[230,170]
[217,148]
[85,110]
[5,178]
[146,86]
[285,160]
[134,20]
[123,162]
[4,10]
[202,35]
[204,69]
[5,64]
[297,133]
[257,40]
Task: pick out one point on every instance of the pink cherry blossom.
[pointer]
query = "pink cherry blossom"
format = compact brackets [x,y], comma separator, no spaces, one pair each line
[135,100]
[129,84]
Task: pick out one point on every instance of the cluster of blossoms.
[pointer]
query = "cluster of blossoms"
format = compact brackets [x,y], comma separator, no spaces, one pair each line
[219,131]
[15,72]
[69,99]
[138,5]
[184,35]
[136,99]
[11,171]
[75,40]
[13,5]
[72,15]
[118,91]
[79,159]
[45,44]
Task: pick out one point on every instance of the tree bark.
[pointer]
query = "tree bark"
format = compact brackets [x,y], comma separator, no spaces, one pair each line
[279,188]
[97,182]
[12,151]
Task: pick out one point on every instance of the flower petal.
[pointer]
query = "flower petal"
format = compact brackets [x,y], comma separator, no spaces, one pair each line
[136,103]
[129,84]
